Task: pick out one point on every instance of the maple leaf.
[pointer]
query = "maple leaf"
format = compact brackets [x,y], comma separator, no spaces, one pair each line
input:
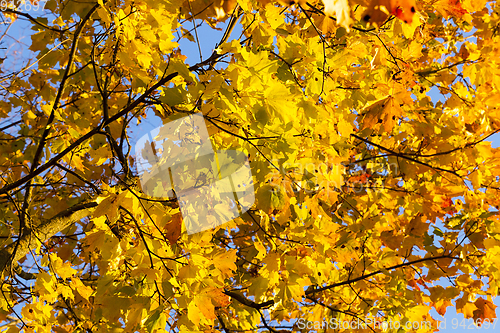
[225,262]
[441,306]
[224,7]
[485,310]
[466,307]
[271,197]
[383,113]
[173,228]
[391,239]
[449,8]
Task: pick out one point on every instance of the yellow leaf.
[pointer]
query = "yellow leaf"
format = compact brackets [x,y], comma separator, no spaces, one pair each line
[441,306]
[45,286]
[109,206]
[341,10]
[193,312]
[450,8]
[144,60]
[82,289]
[417,313]
[101,155]
[206,307]
[31,115]
[379,10]
[409,29]
[261,249]
[225,262]
[280,99]
[271,197]
[473,5]
[273,16]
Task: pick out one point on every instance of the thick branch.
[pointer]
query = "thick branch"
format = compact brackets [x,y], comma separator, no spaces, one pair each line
[99,128]
[366,276]
[309,292]
[247,302]
[44,231]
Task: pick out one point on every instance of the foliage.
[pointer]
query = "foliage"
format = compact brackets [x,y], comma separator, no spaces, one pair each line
[373,201]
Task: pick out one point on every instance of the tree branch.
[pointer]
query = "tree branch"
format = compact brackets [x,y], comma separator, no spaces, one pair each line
[404,156]
[366,276]
[247,302]
[44,231]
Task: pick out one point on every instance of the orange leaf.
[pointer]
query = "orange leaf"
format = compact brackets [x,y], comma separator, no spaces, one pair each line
[485,310]
[413,284]
[391,239]
[441,306]
[384,112]
[449,8]
[173,228]
[417,226]
[379,10]
[217,296]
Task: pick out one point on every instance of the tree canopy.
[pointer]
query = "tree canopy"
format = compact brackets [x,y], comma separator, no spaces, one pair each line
[373,201]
